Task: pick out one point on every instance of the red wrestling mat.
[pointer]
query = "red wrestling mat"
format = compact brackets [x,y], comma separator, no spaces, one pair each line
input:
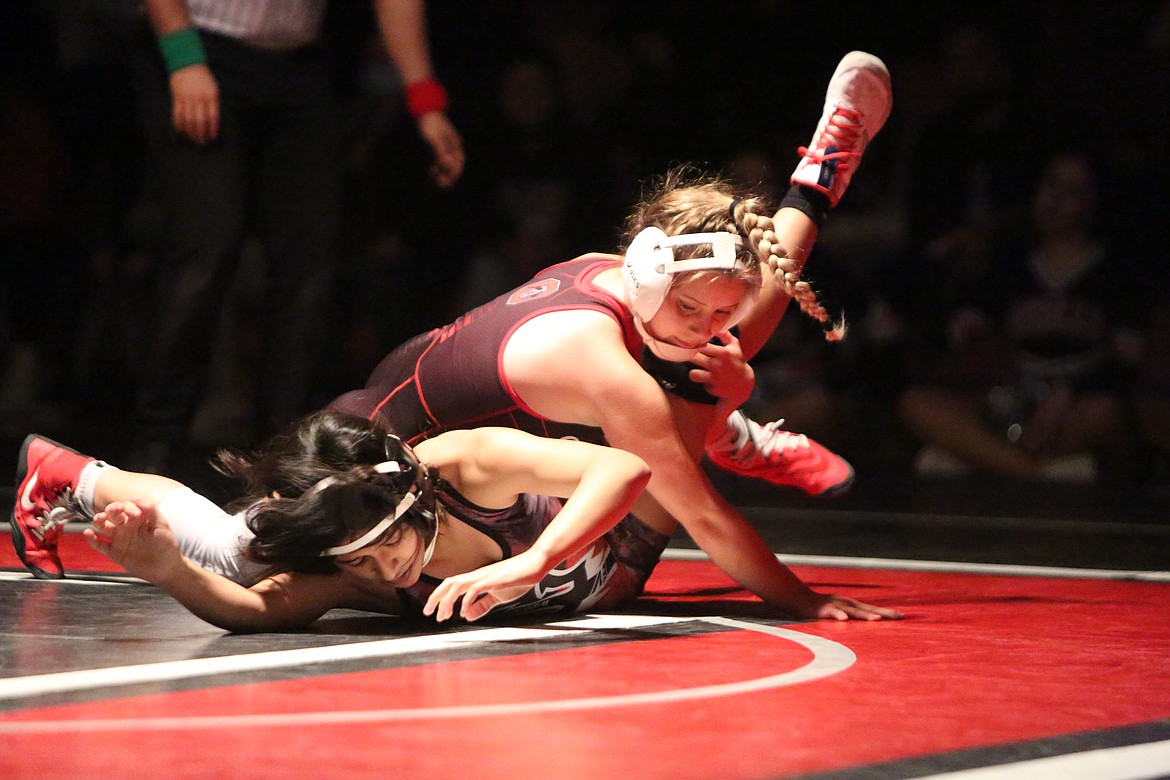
[76,555]
[985,667]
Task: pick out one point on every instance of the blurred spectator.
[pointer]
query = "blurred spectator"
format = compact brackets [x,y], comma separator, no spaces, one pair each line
[956,185]
[531,190]
[41,221]
[962,179]
[963,166]
[1153,398]
[1042,347]
[33,214]
[1153,391]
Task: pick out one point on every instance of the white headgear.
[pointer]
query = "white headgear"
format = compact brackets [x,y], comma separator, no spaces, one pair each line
[420,497]
[650,265]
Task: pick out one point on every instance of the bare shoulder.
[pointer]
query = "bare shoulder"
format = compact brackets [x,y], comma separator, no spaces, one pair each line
[466,459]
[551,329]
[600,256]
[446,446]
[452,454]
[572,342]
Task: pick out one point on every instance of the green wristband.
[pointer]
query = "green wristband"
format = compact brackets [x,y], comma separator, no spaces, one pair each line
[182,48]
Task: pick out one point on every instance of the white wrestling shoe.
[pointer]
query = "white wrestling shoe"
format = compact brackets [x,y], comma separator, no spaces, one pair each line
[857,104]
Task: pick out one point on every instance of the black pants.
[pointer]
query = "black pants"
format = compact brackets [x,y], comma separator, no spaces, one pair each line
[272,174]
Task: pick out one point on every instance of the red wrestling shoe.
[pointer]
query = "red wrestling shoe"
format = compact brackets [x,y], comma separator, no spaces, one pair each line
[857,104]
[46,486]
[780,457]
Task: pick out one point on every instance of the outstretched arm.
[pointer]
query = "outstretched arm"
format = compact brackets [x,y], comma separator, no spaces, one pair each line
[492,466]
[611,391]
[138,539]
[685,493]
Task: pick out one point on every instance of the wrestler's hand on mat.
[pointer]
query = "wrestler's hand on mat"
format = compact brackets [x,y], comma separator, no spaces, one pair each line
[723,370]
[825,606]
[485,588]
[136,538]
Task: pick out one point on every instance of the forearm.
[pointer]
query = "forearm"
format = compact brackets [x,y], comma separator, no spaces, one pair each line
[737,549]
[797,233]
[402,24]
[167,16]
[228,605]
[605,494]
[717,427]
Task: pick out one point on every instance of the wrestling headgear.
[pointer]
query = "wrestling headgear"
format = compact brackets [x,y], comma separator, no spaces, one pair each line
[419,499]
[649,267]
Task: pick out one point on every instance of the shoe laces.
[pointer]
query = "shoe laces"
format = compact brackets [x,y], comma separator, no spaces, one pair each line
[778,440]
[842,131]
[62,509]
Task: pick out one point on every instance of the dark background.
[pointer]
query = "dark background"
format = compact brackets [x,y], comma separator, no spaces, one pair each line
[633,88]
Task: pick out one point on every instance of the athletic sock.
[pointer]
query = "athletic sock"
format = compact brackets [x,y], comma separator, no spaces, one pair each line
[87,484]
[808,201]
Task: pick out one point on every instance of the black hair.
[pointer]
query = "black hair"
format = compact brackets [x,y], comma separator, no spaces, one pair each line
[314,486]
[292,534]
[307,451]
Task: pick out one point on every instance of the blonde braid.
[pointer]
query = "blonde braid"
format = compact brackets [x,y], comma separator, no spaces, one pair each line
[750,214]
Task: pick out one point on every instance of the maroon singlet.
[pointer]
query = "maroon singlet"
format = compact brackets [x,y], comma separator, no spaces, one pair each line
[452,377]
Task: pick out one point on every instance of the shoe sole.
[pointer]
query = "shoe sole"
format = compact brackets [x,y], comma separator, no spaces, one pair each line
[832,491]
[18,538]
[838,490]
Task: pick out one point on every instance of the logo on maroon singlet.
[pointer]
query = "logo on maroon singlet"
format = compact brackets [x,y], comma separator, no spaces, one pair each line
[535,290]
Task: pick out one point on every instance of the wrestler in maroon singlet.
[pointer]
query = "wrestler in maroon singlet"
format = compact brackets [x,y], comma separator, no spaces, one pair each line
[451,377]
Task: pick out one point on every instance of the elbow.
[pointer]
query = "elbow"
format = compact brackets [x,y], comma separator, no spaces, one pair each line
[235,627]
[618,466]
[638,471]
[240,626]
[255,628]
[643,478]
[255,624]
[240,629]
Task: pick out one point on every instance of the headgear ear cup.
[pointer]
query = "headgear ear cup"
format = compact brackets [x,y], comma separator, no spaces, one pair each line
[644,270]
[650,264]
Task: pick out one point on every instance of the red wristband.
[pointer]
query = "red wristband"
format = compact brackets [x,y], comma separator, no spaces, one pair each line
[424,97]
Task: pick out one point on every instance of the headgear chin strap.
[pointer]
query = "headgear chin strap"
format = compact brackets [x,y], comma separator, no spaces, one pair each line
[648,269]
